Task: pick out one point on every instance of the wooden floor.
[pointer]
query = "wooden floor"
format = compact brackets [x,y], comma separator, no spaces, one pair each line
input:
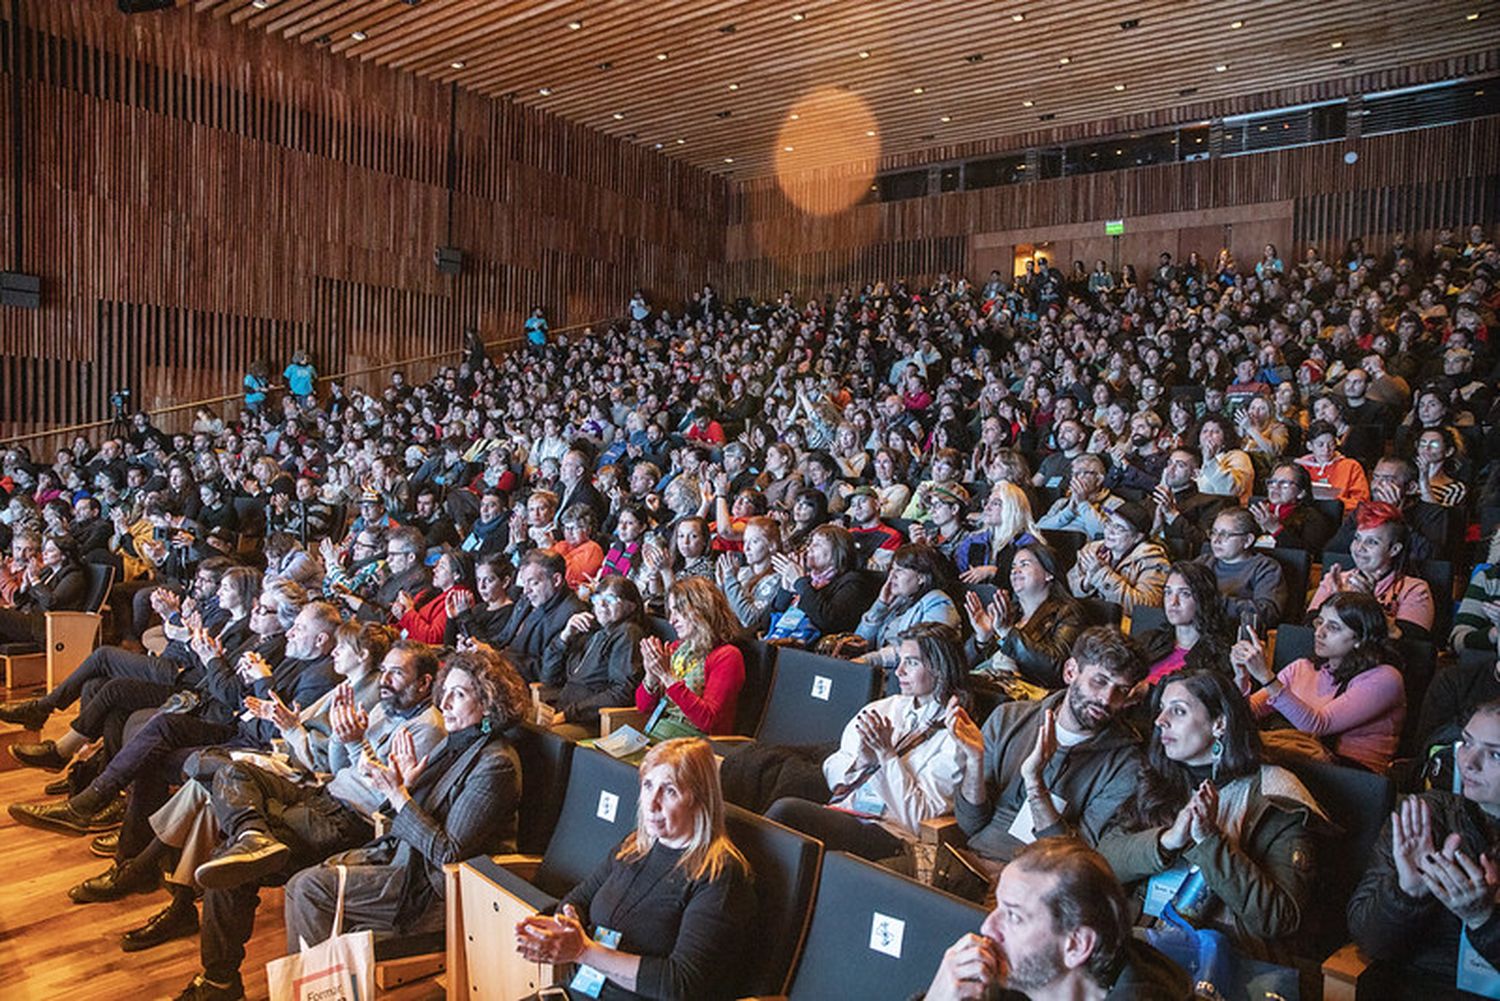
[52,948]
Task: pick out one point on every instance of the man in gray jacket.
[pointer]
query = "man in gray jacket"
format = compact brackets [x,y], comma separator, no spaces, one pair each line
[1061,766]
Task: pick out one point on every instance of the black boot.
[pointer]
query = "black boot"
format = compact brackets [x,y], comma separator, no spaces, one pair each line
[40,755]
[177,920]
[31,714]
[117,881]
[87,813]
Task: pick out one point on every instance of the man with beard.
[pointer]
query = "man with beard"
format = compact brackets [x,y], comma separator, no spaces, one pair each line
[436,527]
[152,758]
[1060,929]
[1063,765]
[404,573]
[270,825]
[1183,512]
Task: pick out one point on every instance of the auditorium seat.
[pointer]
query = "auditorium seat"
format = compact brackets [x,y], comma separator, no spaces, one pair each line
[785,865]
[812,697]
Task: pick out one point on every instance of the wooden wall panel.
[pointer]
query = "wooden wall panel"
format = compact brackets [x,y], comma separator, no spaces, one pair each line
[196,195]
[1411,181]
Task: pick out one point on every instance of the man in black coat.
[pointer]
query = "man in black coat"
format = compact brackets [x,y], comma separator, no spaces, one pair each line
[539,617]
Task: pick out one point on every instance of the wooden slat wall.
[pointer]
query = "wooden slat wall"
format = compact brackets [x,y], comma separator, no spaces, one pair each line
[196,195]
[1410,181]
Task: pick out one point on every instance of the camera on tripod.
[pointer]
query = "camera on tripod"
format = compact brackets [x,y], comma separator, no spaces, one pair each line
[119,401]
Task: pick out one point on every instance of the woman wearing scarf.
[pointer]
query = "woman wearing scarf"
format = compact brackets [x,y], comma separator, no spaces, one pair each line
[692,685]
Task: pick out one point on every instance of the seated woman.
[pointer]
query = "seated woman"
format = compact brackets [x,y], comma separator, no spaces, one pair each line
[913,592]
[1476,625]
[1005,523]
[1028,633]
[890,487]
[1206,802]
[583,555]
[1439,452]
[692,685]
[55,582]
[752,586]
[1287,517]
[456,802]
[486,620]
[686,936]
[1378,550]
[896,764]
[809,510]
[1424,911]
[1125,566]
[1347,696]
[427,622]
[1252,583]
[944,525]
[823,590]
[1334,475]
[689,557]
[602,653]
[1197,633]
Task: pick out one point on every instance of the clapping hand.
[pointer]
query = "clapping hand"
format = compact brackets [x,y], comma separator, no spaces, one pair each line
[205,646]
[657,663]
[458,601]
[348,721]
[274,711]
[1265,517]
[789,568]
[553,940]
[253,666]
[1411,842]
[1463,885]
[1041,752]
[724,568]
[876,736]
[966,734]
[401,606]
[1203,811]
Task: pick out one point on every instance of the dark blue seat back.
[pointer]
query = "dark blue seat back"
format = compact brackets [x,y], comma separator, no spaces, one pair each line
[785,866]
[546,756]
[597,813]
[812,697]
[876,934]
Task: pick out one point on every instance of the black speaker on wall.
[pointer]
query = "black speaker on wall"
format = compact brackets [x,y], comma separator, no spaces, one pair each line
[449,260]
[17,289]
[144,6]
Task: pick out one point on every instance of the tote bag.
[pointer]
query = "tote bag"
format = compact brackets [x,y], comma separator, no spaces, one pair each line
[340,969]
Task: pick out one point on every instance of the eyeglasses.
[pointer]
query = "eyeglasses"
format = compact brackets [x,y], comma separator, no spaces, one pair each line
[1217,534]
[606,599]
[393,553]
[1273,482]
[262,609]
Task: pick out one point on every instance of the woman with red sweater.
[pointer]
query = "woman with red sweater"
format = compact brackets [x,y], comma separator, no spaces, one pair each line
[453,575]
[692,685]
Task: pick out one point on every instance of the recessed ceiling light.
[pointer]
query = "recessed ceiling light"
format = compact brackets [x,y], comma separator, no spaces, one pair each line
[1220,68]
[946,118]
[1236,24]
[457,64]
[575,25]
[358,36]
[1472,17]
[919,90]
[798,16]
[729,159]
[260,4]
[681,141]
[661,57]
[619,115]
[794,116]
[1119,152]
[544,91]
[1018,18]
[1028,104]
[657,145]
[1119,86]
[734,86]
[1335,45]
[788,149]
[864,54]
[870,132]
[1064,61]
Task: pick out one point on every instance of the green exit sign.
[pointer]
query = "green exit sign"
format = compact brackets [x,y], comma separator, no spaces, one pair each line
[1114,227]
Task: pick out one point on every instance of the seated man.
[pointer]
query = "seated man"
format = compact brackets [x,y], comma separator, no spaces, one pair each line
[875,541]
[1425,910]
[404,573]
[1183,512]
[1060,929]
[151,759]
[542,613]
[1252,583]
[1087,502]
[1062,765]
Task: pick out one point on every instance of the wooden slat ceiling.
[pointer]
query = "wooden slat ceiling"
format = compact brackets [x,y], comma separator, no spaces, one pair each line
[716,80]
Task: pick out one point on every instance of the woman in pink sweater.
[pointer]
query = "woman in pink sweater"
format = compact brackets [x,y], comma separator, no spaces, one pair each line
[692,685]
[1347,695]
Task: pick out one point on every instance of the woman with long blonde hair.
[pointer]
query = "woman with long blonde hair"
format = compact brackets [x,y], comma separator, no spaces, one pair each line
[686,932]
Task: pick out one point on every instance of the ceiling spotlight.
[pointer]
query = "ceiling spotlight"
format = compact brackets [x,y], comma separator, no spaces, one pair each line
[1119,86]
[657,145]
[788,149]
[729,159]
[1472,17]
[1064,61]
[1335,45]
[1220,68]
[946,118]
[358,36]
[575,25]
[661,57]
[794,116]
[734,86]
[919,90]
[864,53]
[1236,24]
[799,16]
[618,115]
[870,133]
[260,4]
[457,64]
[681,141]
[1018,18]
[1028,103]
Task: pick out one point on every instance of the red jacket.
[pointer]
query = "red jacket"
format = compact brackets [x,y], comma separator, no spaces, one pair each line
[713,711]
